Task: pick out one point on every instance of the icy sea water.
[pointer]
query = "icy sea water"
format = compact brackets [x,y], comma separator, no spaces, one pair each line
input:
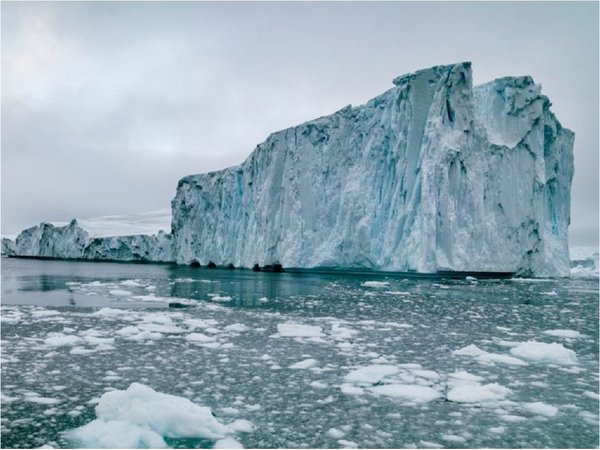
[73,331]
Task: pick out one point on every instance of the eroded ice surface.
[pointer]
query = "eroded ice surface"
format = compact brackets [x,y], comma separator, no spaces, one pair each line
[434,174]
[139,237]
[295,360]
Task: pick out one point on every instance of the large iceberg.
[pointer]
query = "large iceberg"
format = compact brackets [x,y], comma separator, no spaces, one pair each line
[432,175]
[140,237]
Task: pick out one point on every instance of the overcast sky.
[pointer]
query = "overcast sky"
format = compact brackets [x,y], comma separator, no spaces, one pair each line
[106,105]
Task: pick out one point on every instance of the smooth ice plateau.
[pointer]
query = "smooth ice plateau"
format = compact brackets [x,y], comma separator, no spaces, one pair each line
[433,175]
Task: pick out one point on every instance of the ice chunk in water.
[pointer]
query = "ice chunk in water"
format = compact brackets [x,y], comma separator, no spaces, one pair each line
[371,374]
[553,353]
[140,408]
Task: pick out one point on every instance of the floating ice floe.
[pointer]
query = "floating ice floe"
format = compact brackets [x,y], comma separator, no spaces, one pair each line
[199,337]
[242,426]
[571,334]
[305,364]
[541,408]
[141,417]
[227,442]
[553,353]
[41,400]
[371,374]
[132,283]
[133,333]
[477,393]
[464,387]
[410,392]
[236,327]
[465,376]
[219,298]
[375,284]
[114,434]
[488,358]
[335,433]
[119,293]
[298,330]
[109,312]
[408,382]
[62,340]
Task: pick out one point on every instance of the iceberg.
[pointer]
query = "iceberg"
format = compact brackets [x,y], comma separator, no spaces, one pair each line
[140,237]
[584,262]
[8,246]
[433,175]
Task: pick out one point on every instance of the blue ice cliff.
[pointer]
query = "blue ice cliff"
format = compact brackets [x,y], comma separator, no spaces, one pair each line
[432,175]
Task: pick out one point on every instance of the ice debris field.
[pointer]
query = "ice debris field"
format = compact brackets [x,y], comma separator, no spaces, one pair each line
[94,356]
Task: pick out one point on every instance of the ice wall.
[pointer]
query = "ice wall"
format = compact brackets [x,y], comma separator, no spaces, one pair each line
[433,174]
[106,238]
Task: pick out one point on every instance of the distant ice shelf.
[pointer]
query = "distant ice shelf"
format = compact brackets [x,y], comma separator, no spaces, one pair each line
[432,175]
[137,237]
